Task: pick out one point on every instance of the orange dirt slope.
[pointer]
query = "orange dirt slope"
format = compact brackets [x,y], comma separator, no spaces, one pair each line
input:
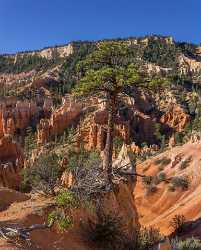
[158,209]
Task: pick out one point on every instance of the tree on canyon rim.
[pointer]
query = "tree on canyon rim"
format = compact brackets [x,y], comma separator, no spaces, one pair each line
[108,69]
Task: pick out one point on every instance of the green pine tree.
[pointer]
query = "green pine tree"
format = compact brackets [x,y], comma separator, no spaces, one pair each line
[108,70]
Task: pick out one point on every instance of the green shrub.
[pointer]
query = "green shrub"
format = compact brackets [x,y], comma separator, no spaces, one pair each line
[83,159]
[25,185]
[179,136]
[161,176]
[149,183]
[156,181]
[178,223]
[147,180]
[53,216]
[187,244]
[64,222]
[106,232]
[144,144]
[29,141]
[43,175]
[163,161]
[180,181]
[166,161]
[146,238]
[66,198]
[69,136]
[185,163]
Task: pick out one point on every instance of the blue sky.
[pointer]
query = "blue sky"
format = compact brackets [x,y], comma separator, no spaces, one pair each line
[34,24]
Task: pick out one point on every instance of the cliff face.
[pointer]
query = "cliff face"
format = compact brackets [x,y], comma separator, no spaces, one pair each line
[60,119]
[11,163]
[48,53]
[189,65]
[16,116]
[61,51]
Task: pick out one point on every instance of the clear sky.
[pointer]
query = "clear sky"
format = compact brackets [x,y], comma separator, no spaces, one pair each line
[34,24]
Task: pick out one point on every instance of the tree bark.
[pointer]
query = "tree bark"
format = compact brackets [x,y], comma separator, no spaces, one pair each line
[107,163]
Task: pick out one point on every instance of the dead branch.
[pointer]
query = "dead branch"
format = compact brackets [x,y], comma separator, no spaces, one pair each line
[13,231]
[120,171]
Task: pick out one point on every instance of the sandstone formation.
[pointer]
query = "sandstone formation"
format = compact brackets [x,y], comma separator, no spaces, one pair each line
[61,51]
[16,116]
[188,65]
[176,119]
[133,123]
[13,79]
[60,119]
[11,163]
[94,132]
[144,151]
[145,41]
[48,53]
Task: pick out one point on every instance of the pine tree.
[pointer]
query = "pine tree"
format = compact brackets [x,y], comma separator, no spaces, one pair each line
[108,70]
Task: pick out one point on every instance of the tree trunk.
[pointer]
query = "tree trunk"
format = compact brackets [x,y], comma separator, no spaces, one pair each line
[107,163]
